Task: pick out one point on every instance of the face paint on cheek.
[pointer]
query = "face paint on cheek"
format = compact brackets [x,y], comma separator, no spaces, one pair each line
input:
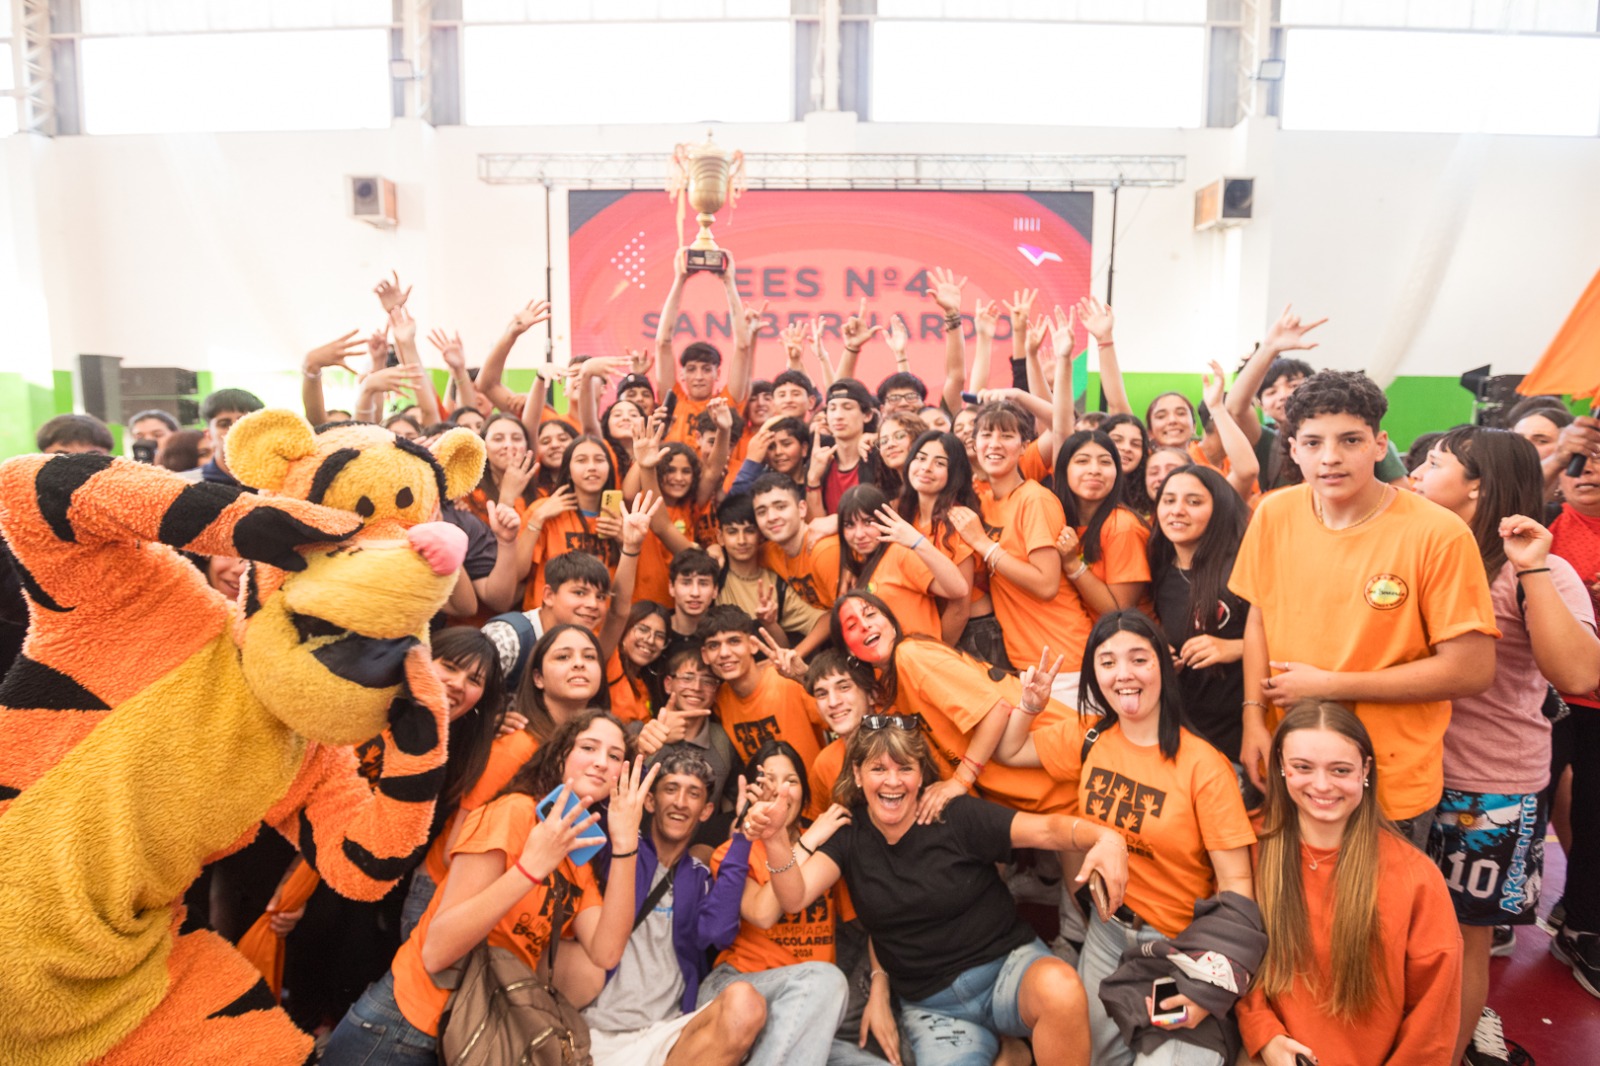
[855,639]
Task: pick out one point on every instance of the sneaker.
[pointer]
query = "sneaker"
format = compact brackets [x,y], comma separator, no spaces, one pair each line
[1580,951]
[1488,1045]
[1505,942]
[1558,916]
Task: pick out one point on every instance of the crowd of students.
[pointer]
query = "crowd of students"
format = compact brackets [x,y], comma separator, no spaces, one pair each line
[839,676]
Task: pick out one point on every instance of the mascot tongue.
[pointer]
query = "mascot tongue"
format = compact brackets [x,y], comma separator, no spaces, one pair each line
[1127,702]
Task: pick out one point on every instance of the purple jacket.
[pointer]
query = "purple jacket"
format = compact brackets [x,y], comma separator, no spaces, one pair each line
[705,909]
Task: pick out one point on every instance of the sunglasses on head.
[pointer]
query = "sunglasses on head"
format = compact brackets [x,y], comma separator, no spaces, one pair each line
[909,722]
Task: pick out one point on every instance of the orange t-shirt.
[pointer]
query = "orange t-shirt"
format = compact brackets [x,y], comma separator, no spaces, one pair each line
[630,699]
[686,411]
[1369,597]
[507,755]
[1170,812]
[524,930]
[1124,557]
[902,581]
[953,693]
[958,551]
[652,581]
[776,709]
[804,937]
[822,773]
[1415,1018]
[566,532]
[1033,464]
[816,584]
[1026,520]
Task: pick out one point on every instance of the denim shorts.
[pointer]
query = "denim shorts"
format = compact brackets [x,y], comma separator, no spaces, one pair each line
[959,1023]
[375,1033]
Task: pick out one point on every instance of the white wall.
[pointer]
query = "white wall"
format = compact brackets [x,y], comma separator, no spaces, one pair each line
[233,253]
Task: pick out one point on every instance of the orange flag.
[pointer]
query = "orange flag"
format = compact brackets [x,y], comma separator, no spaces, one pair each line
[261,945]
[1572,362]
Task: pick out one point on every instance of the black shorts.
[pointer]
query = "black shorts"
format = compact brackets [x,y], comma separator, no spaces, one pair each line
[1490,848]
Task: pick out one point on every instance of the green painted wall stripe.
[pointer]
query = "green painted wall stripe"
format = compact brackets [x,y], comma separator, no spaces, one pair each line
[1416,404]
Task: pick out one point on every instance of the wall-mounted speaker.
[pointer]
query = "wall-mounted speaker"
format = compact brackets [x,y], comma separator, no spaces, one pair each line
[1225,202]
[372,200]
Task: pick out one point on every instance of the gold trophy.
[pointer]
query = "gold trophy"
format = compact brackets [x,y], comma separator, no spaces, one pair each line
[707,177]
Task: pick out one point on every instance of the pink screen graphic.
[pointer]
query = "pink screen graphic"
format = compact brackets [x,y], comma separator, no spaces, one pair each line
[815,253]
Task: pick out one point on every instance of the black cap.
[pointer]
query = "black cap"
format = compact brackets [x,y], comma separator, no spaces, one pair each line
[635,381]
[851,389]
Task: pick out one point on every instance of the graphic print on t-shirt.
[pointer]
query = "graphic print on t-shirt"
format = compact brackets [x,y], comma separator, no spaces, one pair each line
[1123,803]
[805,588]
[591,544]
[751,735]
[535,928]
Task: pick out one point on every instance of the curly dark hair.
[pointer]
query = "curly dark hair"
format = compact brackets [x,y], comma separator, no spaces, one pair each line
[1335,392]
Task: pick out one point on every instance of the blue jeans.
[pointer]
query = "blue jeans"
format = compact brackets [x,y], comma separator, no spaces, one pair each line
[961,1025]
[418,896]
[805,1003]
[373,1032]
[1102,954]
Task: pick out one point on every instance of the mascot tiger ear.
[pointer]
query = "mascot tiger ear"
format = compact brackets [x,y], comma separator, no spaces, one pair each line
[460,453]
[263,446]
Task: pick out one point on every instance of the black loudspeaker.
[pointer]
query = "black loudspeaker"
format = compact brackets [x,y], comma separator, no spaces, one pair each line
[101,380]
[1224,202]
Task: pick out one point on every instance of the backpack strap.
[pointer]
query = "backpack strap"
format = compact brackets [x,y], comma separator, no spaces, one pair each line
[1106,722]
[652,899]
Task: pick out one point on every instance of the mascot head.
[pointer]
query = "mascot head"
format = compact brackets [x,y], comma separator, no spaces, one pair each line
[326,647]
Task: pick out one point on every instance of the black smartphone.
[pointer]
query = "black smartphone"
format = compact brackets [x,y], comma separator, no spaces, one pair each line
[670,404]
[1161,989]
[1304,1060]
[826,440]
[143,451]
[970,397]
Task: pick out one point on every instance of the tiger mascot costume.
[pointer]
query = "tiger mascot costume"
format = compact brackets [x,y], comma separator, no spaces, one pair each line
[150,725]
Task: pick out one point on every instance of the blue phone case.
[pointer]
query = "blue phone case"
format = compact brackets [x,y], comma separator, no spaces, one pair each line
[594,839]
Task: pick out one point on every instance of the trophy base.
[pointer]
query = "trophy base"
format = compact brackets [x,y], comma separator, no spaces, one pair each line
[712,260]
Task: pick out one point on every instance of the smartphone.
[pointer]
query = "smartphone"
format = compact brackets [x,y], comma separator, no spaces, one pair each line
[969,397]
[1164,988]
[1100,894]
[611,502]
[826,440]
[143,451]
[590,843]
[670,405]
[1304,1060]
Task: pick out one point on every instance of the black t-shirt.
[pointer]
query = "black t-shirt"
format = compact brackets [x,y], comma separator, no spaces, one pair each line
[933,903]
[1212,697]
[482,548]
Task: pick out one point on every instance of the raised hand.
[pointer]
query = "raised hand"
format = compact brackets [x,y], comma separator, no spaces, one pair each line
[856,331]
[786,661]
[1096,318]
[627,805]
[647,448]
[401,377]
[717,407]
[518,475]
[766,604]
[450,348]
[334,353]
[504,523]
[755,321]
[1288,334]
[766,819]
[565,498]
[985,317]
[1526,542]
[532,313]
[640,360]
[794,340]
[636,519]
[1036,334]
[403,325]
[551,840]
[897,337]
[1214,383]
[968,526]
[821,455]
[1020,308]
[892,527]
[1061,331]
[389,293]
[761,441]
[1039,681]
[378,347]
[829,371]
[945,290]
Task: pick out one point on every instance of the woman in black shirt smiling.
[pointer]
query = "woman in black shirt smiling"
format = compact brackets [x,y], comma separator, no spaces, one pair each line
[942,923]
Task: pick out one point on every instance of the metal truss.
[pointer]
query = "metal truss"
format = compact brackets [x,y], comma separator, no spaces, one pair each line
[35,74]
[825,170]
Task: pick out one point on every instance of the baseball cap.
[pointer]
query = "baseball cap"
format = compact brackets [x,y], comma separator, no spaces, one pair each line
[851,389]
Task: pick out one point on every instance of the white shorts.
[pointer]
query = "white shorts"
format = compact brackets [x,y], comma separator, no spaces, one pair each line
[649,1046]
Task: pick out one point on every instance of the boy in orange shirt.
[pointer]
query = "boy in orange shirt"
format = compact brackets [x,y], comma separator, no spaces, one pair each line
[1361,594]
[756,703]
[790,552]
[700,362]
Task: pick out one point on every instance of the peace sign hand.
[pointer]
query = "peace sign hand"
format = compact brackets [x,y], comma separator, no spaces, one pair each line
[1039,681]
[786,661]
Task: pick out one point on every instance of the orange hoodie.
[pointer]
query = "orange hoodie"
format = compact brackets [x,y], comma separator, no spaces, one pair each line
[1418,1012]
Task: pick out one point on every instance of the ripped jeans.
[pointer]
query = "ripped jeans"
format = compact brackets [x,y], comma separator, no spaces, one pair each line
[962,1024]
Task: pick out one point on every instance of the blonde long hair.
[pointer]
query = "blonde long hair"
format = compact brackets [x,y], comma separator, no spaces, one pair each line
[1357,979]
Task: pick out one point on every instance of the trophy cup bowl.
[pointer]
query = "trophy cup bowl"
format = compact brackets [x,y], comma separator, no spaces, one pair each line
[709,174]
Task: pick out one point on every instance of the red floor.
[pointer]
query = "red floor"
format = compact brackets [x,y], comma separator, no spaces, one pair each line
[1540,1005]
